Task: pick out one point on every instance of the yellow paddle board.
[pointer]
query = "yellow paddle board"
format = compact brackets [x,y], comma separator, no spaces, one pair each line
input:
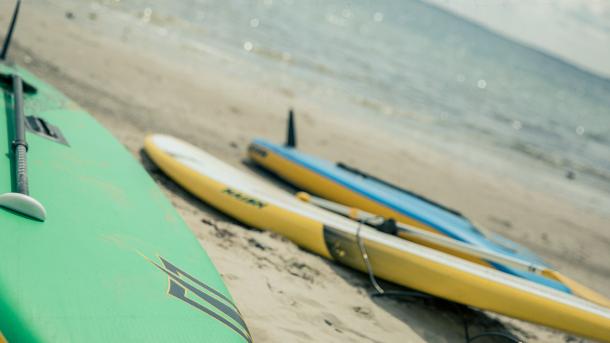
[261,205]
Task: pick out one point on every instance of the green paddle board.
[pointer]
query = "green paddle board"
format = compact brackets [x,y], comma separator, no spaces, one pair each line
[112,261]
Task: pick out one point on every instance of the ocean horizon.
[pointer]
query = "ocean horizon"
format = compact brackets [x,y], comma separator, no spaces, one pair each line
[406,67]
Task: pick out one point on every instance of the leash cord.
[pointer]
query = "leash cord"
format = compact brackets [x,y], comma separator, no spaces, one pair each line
[380,292]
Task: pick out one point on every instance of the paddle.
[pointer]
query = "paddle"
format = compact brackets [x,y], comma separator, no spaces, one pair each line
[20,201]
[425,237]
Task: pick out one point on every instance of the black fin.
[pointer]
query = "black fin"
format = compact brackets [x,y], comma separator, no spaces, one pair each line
[9,34]
[291,137]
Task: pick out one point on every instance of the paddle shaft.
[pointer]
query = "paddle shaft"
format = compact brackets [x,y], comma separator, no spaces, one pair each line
[426,236]
[20,146]
[9,35]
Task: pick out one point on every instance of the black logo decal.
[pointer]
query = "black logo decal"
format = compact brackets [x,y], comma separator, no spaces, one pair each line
[244,198]
[205,298]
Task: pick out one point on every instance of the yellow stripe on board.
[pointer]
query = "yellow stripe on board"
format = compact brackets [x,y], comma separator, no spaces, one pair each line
[579,289]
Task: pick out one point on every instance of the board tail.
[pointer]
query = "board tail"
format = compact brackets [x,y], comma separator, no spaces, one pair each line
[291,137]
[9,34]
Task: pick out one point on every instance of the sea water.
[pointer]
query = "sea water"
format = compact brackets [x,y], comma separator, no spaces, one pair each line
[408,66]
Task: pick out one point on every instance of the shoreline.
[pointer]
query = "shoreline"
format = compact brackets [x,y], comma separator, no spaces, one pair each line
[530,166]
[298,294]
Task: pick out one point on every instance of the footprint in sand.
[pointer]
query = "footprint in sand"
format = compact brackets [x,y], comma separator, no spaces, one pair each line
[363,312]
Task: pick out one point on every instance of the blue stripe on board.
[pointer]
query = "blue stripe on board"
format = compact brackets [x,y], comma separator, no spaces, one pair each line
[446,222]
[449,224]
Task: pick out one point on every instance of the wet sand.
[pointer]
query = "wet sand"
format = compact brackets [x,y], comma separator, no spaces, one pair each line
[285,293]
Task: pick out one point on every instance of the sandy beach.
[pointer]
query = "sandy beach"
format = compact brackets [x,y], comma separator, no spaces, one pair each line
[287,294]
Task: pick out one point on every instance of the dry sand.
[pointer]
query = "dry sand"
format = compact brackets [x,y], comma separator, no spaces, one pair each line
[286,294]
